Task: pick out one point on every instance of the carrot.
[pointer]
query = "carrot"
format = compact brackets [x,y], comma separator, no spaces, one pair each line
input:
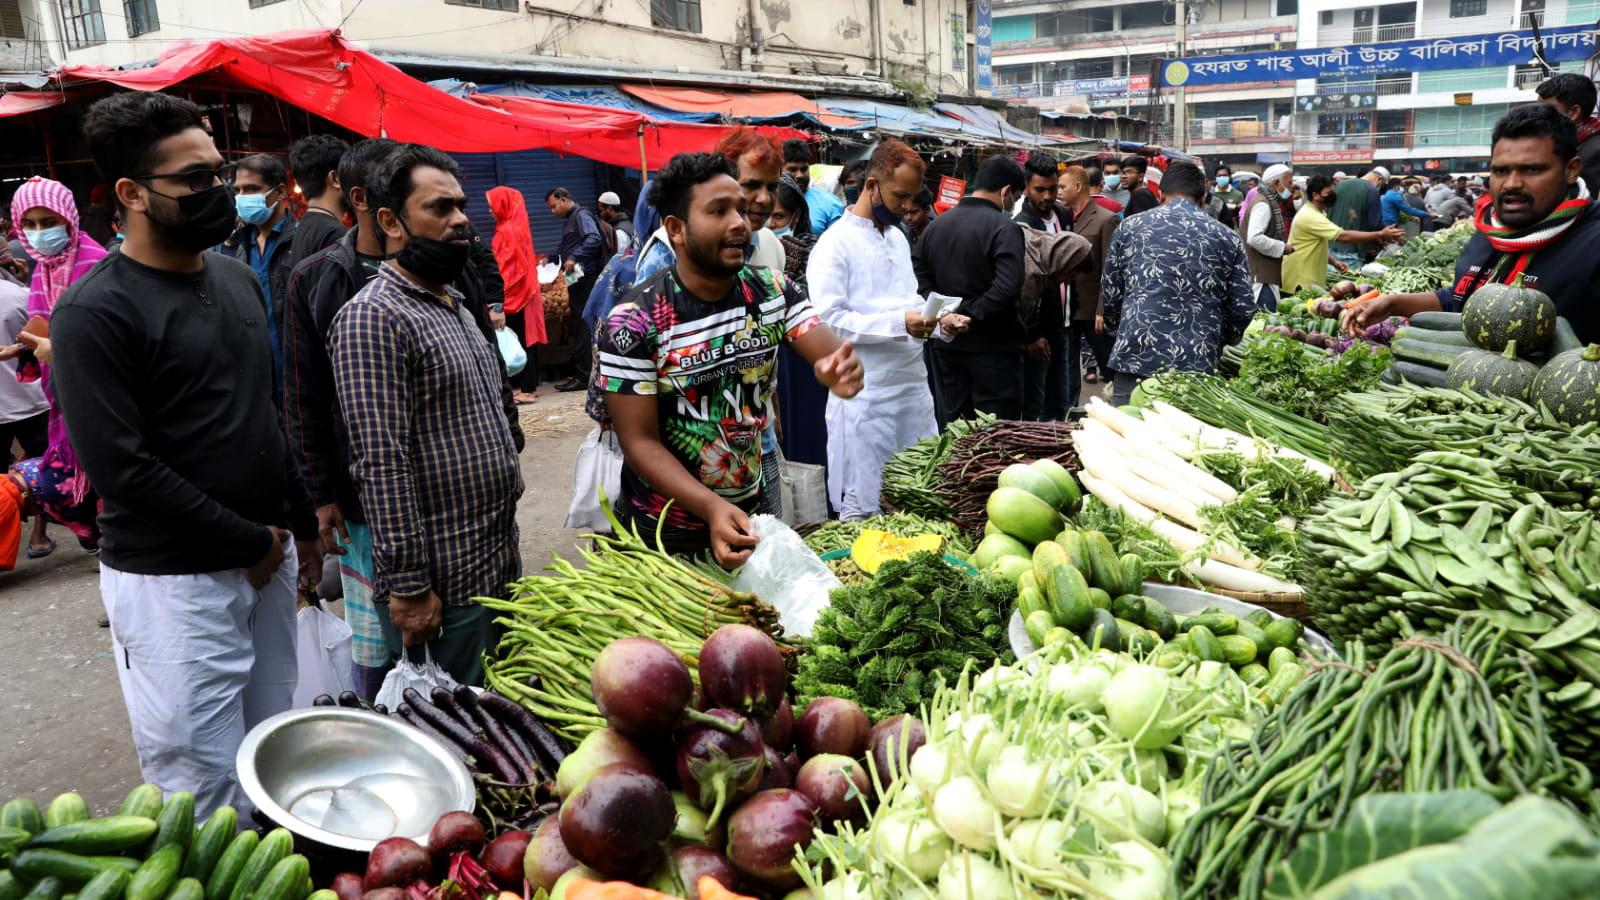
[712,889]
[584,889]
[1369,295]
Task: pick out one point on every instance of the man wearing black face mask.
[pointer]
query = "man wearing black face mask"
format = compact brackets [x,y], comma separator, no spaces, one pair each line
[430,449]
[164,370]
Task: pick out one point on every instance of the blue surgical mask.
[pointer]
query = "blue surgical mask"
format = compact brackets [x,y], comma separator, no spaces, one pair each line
[785,231]
[48,242]
[253,208]
[1223,181]
[1112,181]
[1284,193]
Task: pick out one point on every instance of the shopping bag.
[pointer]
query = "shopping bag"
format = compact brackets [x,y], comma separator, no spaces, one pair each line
[786,573]
[808,492]
[599,468]
[511,351]
[422,677]
[322,647]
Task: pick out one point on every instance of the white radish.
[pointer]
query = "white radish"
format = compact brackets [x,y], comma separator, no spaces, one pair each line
[1119,421]
[1188,540]
[1233,578]
[1114,498]
[1204,481]
[1189,480]
[1127,454]
[1211,436]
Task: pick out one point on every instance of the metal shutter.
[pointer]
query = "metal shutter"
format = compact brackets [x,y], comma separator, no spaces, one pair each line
[534,173]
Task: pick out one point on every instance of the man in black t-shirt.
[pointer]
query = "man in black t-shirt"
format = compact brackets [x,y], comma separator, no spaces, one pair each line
[164,371]
[314,160]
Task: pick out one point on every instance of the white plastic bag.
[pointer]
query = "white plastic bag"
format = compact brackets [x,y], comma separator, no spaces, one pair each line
[322,648]
[807,492]
[786,573]
[599,467]
[423,677]
[511,351]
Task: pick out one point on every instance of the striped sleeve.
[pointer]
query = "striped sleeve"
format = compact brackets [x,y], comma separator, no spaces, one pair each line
[799,315]
[627,348]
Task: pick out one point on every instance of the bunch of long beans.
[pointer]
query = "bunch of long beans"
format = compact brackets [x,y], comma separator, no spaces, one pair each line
[910,476]
[972,472]
[557,623]
[1211,400]
[1383,429]
[1456,710]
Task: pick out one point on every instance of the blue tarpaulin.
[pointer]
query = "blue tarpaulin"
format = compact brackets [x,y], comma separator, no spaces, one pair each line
[568,93]
[990,121]
[903,119]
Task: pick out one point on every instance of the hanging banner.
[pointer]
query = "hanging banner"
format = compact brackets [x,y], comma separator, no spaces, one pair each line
[1506,48]
[1335,102]
[951,190]
[983,25]
[958,41]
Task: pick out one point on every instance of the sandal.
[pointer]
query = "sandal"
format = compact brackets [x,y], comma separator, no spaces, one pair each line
[523,398]
[1091,377]
[42,552]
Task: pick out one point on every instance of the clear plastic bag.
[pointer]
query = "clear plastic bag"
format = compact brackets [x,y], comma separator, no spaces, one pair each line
[423,677]
[786,573]
[322,649]
[596,473]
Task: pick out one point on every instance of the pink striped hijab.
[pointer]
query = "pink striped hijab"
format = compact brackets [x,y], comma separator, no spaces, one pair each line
[53,274]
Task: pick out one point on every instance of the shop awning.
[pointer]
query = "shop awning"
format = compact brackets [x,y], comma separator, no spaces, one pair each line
[752,105]
[904,120]
[15,103]
[586,95]
[989,120]
[322,73]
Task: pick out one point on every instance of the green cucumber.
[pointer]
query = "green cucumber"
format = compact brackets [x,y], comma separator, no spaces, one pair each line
[1099,599]
[108,885]
[1254,674]
[144,800]
[1029,601]
[1105,570]
[1128,606]
[175,825]
[1259,618]
[1132,566]
[1103,632]
[1279,658]
[22,813]
[1218,623]
[1256,635]
[1205,643]
[1159,619]
[33,864]
[1068,596]
[157,875]
[1237,649]
[1136,639]
[10,887]
[1038,624]
[1435,320]
[226,872]
[188,889]
[65,810]
[286,881]
[210,843]
[1447,338]
[1418,375]
[1427,353]
[112,834]
[1284,633]
[278,844]
[46,889]
[323,894]
[1072,542]
[12,838]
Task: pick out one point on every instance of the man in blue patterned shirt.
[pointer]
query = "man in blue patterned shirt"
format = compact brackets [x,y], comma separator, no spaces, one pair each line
[1176,287]
[430,449]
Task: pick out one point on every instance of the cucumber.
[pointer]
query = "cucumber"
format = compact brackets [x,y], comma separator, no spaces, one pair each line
[1237,649]
[210,843]
[1447,338]
[1260,618]
[1159,619]
[33,864]
[112,834]
[1418,375]
[1068,597]
[1427,353]
[1030,601]
[1105,570]
[10,887]
[175,825]
[1099,599]
[1037,624]
[1136,639]
[1280,657]
[188,889]
[65,810]
[157,875]
[22,813]
[1254,674]
[1132,566]
[46,889]
[273,848]
[1256,636]
[1072,542]
[144,800]
[1103,632]
[286,881]
[1217,623]
[1206,646]
[1284,633]
[323,894]
[226,872]
[12,838]
[108,885]
[1436,321]
[1128,606]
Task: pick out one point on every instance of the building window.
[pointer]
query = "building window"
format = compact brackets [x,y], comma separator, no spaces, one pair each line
[83,24]
[141,16]
[1465,9]
[1325,18]
[1094,68]
[1145,15]
[502,5]
[1015,74]
[679,15]
[1288,7]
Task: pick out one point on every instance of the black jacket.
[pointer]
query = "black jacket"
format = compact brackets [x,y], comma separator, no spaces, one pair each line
[1589,153]
[318,289]
[279,266]
[975,252]
[314,233]
[1052,318]
[1567,271]
[1140,199]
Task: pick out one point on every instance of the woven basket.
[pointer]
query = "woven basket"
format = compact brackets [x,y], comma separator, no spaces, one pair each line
[1291,605]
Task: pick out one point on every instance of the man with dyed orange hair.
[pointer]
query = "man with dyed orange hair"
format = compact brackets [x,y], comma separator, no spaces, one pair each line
[863,286]
[759,163]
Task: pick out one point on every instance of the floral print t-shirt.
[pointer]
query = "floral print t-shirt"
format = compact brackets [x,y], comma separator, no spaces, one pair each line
[713,368]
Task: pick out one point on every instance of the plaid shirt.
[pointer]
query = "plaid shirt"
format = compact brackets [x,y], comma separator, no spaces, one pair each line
[430,449]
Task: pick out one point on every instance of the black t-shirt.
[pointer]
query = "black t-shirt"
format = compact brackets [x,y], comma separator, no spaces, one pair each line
[315,232]
[165,380]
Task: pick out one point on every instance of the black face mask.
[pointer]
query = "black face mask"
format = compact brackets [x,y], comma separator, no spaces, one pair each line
[204,220]
[440,262]
[883,215]
[852,193]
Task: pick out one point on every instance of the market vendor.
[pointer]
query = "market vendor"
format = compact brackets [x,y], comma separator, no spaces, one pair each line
[689,365]
[1540,227]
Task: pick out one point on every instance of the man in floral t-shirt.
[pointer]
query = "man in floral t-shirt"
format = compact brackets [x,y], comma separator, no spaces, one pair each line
[689,364]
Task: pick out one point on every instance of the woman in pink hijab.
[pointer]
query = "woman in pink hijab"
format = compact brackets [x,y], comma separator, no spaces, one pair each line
[46,219]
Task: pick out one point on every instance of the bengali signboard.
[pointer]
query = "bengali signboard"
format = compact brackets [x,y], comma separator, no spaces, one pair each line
[1573,42]
[1331,156]
[951,190]
[983,25]
[1335,102]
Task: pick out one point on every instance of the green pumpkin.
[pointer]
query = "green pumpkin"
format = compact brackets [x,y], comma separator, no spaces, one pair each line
[1501,374]
[1569,385]
[1497,314]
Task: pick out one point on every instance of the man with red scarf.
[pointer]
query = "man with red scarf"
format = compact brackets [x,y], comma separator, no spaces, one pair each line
[1538,224]
[1574,96]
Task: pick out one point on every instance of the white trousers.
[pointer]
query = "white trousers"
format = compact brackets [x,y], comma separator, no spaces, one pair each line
[202,659]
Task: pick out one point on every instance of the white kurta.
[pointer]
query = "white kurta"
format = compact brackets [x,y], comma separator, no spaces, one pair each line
[861,283]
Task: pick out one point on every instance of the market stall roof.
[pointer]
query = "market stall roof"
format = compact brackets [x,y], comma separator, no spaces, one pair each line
[895,118]
[753,105]
[16,103]
[587,95]
[982,117]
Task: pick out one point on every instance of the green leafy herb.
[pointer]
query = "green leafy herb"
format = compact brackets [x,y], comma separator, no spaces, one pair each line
[888,644]
[1302,379]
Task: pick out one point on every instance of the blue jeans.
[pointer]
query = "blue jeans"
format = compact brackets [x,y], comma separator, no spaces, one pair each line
[1050,387]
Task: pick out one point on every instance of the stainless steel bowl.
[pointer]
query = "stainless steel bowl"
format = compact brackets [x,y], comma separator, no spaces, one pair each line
[348,778]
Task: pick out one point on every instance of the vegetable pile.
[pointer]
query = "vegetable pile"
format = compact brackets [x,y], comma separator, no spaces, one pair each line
[887,644]
[952,476]
[1221,405]
[1300,379]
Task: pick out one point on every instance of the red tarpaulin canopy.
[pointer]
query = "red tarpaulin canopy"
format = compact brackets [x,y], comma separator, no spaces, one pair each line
[322,73]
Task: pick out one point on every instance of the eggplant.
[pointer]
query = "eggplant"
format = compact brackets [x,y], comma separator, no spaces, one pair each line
[495,735]
[349,700]
[546,746]
[447,705]
[324,700]
[439,720]
[410,717]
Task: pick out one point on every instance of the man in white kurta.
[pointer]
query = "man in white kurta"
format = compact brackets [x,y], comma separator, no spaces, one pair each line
[861,282]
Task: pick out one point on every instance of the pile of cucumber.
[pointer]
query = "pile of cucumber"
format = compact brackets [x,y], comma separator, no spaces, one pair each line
[150,850]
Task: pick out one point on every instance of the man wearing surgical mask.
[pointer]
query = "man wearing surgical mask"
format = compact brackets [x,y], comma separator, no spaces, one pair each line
[265,239]
[1113,189]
